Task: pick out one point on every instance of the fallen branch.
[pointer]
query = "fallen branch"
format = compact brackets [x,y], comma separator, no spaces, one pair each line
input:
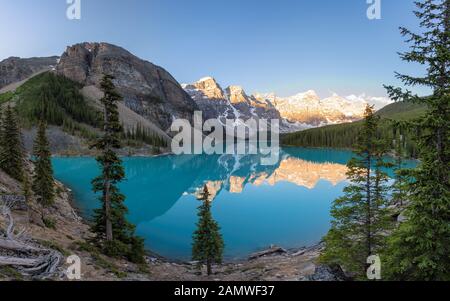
[273,250]
[28,258]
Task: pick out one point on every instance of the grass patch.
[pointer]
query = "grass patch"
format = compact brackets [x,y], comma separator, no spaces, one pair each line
[11,273]
[52,245]
[99,258]
[49,223]
[5,97]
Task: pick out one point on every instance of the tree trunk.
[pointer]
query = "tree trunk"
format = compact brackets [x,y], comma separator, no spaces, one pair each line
[107,187]
[368,204]
[208,267]
[107,200]
[28,258]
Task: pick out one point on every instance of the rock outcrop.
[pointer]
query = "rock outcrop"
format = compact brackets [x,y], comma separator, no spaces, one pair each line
[298,112]
[15,69]
[231,103]
[147,89]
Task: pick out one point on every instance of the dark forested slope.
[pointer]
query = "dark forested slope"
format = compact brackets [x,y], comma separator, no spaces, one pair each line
[344,135]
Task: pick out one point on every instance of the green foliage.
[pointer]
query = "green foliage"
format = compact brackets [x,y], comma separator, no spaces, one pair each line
[345,135]
[43,181]
[49,223]
[114,233]
[10,272]
[400,188]
[6,97]
[11,148]
[360,217]
[142,134]
[208,242]
[55,246]
[99,260]
[420,248]
[54,99]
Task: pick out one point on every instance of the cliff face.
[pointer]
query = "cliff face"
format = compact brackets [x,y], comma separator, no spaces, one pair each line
[147,89]
[16,69]
[298,112]
[231,103]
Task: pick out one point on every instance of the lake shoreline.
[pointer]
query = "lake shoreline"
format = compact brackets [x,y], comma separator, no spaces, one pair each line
[152,255]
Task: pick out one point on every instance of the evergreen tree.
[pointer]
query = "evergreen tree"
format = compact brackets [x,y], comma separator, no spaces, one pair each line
[402,179]
[420,248]
[11,149]
[113,232]
[26,188]
[360,217]
[43,181]
[208,243]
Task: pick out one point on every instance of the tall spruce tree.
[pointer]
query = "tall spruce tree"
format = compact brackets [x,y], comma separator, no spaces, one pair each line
[43,181]
[208,243]
[402,179]
[420,248]
[113,232]
[11,148]
[360,217]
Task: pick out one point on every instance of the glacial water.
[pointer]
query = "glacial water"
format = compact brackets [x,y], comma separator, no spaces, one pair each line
[287,204]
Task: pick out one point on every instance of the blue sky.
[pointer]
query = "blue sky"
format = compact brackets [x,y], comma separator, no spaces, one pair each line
[284,46]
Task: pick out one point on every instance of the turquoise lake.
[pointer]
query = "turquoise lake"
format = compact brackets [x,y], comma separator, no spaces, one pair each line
[287,204]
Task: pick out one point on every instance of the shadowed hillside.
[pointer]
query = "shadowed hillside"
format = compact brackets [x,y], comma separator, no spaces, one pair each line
[344,135]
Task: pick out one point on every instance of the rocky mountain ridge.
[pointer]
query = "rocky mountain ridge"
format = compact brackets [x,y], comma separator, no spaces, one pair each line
[152,93]
[15,69]
[147,89]
[229,103]
[298,112]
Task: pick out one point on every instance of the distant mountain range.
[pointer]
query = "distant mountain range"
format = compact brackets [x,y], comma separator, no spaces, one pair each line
[153,98]
[298,112]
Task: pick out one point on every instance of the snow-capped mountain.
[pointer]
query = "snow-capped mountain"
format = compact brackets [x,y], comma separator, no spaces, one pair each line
[229,103]
[298,112]
[307,108]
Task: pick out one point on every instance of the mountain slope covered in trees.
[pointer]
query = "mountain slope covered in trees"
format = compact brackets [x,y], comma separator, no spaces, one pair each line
[60,102]
[344,135]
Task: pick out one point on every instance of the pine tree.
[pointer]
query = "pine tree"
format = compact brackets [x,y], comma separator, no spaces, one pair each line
[420,248]
[43,181]
[113,232]
[208,243]
[360,217]
[11,149]
[26,188]
[402,179]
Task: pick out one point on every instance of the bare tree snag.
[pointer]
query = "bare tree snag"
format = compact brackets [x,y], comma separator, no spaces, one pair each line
[27,257]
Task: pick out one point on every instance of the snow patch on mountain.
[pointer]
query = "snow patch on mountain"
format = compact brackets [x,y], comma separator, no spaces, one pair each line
[298,112]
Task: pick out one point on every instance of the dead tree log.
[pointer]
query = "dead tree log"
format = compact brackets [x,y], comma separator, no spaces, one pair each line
[27,257]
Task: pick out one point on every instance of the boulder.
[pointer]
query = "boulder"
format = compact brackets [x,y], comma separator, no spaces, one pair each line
[328,273]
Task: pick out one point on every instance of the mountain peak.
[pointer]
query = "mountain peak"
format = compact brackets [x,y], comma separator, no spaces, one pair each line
[236,94]
[142,85]
[207,79]
[209,87]
[309,95]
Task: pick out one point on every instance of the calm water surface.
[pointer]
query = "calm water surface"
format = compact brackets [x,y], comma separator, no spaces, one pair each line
[286,204]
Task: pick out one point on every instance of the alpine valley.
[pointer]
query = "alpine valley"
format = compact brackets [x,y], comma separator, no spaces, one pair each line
[153,98]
